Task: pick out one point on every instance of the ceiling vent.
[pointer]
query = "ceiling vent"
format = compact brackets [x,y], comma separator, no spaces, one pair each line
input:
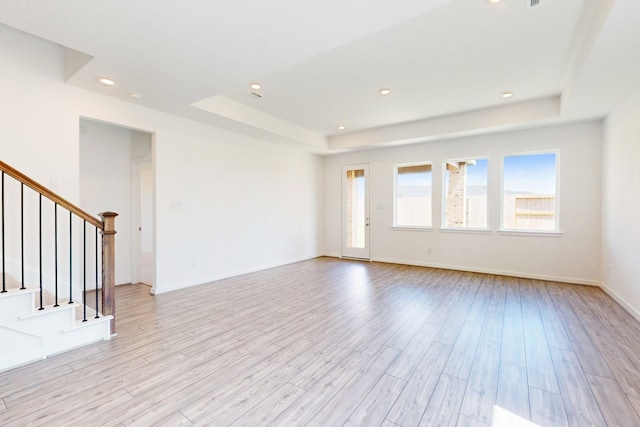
[534,3]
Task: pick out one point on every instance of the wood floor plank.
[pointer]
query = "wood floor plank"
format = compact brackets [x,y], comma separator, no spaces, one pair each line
[493,323]
[406,362]
[513,391]
[414,398]
[590,358]
[464,351]
[270,408]
[613,403]
[464,421]
[175,420]
[579,404]
[547,408]
[55,392]
[305,407]
[339,408]
[280,347]
[326,361]
[373,409]
[540,371]
[482,388]
[232,403]
[444,407]
[513,347]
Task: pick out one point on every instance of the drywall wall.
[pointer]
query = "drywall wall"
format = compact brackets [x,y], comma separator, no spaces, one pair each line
[573,255]
[621,204]
[225,204]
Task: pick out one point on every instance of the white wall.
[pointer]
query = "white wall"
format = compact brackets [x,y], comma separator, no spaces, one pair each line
[105,182]
[246,204]
[574,256]
[621,204]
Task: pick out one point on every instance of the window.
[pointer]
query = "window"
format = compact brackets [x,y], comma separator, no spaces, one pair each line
[413,195]
[465,193]
[529,200]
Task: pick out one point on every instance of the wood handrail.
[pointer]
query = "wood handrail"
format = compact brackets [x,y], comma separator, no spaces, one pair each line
[51,195]
[106,227]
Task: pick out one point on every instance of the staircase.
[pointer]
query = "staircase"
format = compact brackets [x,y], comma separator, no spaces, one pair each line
[31,330]
[28,334]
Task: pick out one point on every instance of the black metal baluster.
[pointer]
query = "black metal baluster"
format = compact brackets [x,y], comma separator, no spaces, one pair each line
[4,285]
[97,316]
[55,247]
[84,271]
[40,245]
[70,257]
[22,234]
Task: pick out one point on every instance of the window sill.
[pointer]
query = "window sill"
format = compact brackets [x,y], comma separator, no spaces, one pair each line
[410,228]
[465,230]
[531,233]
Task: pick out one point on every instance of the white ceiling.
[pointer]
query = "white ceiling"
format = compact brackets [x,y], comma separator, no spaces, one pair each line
[322,63]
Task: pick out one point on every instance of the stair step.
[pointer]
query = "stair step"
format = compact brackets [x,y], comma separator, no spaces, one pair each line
[50,320]
[80,334]
[15,303]
[21,347]
[28,334]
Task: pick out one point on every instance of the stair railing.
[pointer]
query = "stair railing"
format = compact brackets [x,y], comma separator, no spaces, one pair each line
[106,227]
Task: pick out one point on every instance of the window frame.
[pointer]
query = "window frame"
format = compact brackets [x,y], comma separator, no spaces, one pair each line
[395,197]
[443,225]
[556,231]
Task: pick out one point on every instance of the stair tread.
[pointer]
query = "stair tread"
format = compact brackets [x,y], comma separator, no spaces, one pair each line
[17,291]
[48,309]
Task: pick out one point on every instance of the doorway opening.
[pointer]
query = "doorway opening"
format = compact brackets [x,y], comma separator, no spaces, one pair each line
[116,174]
[355,211]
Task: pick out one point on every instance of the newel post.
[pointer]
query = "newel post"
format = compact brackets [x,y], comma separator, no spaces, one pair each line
[108,267]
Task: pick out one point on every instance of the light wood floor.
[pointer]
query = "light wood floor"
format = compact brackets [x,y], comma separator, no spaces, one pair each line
[330,342]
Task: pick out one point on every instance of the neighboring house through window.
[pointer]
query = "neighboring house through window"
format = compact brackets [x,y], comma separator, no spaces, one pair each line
[413,195]
[465,193]
[529,199]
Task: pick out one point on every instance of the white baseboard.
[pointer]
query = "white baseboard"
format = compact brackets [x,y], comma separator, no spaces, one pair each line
[209,279]
[563,279]
[332,255]
[617,298]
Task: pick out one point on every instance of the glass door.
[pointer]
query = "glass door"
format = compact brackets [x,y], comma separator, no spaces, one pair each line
[355,211]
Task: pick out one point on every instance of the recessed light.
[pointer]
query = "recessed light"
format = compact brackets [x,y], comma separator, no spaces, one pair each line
[106,82]
[255,86]
[493,1]
[507,95]
[135,95]
[385,91]
[341,127]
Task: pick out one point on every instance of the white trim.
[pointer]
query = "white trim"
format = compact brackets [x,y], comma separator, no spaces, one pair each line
[443,204]
[411,228]
[556,152]
[395,198]
[623,303]
[530,233]
[465,230]
[329,255]
[563,279]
